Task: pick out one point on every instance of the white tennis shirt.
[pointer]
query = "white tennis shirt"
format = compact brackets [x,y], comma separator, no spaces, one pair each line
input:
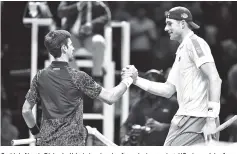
[191,85]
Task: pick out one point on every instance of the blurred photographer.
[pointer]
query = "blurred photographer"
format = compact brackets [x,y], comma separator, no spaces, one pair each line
[149,119]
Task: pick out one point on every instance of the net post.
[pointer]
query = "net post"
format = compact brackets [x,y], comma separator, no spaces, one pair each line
[109,82]
[34,63]
[125,60]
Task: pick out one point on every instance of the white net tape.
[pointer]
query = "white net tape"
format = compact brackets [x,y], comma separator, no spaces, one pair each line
[101,138]
[91,131]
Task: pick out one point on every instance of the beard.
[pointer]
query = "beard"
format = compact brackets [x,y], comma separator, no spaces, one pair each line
[70,58]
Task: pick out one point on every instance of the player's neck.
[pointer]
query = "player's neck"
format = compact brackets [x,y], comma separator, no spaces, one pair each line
[184,34]
[62,58]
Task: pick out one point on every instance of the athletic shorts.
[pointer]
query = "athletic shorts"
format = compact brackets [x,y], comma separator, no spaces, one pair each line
[182,131]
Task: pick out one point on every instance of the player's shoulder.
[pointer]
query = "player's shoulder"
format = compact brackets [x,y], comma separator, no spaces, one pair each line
[40,72]
[77,72]
[196,41]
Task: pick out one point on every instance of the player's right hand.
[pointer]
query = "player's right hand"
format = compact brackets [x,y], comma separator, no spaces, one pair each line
[131,69]
[208,128]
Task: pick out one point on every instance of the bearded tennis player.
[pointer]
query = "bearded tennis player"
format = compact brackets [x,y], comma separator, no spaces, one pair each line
[59,89]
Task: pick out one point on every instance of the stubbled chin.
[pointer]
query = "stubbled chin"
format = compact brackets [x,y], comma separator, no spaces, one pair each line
[172,38]
[70,58]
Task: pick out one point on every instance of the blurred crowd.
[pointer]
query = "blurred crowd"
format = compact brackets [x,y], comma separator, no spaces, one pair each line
[150,49]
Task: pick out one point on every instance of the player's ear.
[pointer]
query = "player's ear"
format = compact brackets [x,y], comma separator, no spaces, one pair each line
[63,48]
[183,23]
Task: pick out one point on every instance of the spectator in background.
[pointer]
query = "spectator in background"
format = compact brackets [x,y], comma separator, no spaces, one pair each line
[210,35]
[159,14]
[164,49]
[229,58]
[73,15]
[210,9]
[120,13]
[8,97]
[164,52]
[229,107]
[151,111]
[229,47]
[143,38]
[232,130]
[8,130]
[226,22]
[232,76]
[232,79]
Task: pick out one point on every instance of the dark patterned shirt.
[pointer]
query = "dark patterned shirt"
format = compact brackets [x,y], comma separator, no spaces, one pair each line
[59,89]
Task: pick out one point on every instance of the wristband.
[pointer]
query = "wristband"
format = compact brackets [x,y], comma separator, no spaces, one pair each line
[34,130]
[213,109]
[127,81]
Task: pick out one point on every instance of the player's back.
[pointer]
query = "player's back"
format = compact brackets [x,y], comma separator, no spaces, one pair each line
[59,96]
[62,107]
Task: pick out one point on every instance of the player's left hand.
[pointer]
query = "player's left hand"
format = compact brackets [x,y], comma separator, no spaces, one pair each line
[209,128]
[125,73]
[131,71]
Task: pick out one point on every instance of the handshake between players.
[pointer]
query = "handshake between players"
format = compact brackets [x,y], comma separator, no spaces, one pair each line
[129,72]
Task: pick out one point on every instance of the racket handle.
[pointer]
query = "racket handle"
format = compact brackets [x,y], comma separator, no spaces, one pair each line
[225,124]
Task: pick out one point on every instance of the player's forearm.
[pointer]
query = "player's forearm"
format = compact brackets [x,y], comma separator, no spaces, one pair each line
[214,89]
[112,95]
[156,88]
[28,117]
[214,98]
[117,92]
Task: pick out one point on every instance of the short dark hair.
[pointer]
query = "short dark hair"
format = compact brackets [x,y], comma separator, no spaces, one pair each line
[54,40]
